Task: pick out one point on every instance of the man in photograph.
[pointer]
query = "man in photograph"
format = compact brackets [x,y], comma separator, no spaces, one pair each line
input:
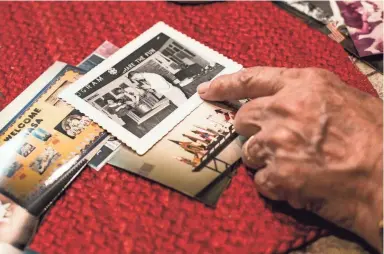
[131,94]
[116,107]
[160,85]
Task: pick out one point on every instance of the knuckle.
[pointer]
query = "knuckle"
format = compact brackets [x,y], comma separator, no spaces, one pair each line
[245,77]
[242,117]
[284,174]
[255,71]
[218,85]
[284,135]
[275,104]
[240,121]
[293,73]
[283,108]
[314,72]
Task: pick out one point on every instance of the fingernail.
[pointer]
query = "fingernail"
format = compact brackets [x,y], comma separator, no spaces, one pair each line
[203,87]
[252,144]
[246,149]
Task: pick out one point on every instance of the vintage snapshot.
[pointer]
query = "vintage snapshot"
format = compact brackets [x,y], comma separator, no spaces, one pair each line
[104,51]
[26,149]
[102,153]
[190,157]
[323,11]
[42,141]
[143,90]
[326,12]
[310,9]
[364,20]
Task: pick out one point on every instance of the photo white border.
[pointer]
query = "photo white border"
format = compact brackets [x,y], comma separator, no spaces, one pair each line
[142,145]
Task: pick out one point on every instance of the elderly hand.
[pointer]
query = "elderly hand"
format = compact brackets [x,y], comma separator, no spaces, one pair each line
[320,142]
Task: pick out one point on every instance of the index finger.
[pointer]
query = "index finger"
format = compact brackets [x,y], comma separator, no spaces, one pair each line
[248,83]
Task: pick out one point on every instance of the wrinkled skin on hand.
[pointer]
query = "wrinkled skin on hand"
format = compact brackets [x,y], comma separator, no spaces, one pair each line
[319,140]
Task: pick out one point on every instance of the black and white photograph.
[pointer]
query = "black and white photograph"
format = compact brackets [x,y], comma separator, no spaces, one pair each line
[146,89]
[166,76]
[324,11]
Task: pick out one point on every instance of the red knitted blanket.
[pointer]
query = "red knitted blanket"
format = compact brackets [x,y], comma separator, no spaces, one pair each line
[114,212]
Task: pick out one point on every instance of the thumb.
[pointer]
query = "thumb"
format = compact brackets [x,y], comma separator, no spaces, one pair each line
[248,83]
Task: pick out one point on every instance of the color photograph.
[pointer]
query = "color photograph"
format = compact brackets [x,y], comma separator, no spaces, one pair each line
[198,150]
[364,20]
[26,149]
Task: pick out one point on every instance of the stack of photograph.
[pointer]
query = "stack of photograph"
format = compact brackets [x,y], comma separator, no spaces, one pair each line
[135,108]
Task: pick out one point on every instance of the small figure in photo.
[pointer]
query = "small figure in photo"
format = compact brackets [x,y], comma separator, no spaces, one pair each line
[129,94]
[160,85]
[73,124]
[194,163]
[44,160]
[41,134]
[25,149]
[117,107]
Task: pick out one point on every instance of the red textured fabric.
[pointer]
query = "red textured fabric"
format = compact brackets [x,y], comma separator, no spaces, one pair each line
[114,212]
